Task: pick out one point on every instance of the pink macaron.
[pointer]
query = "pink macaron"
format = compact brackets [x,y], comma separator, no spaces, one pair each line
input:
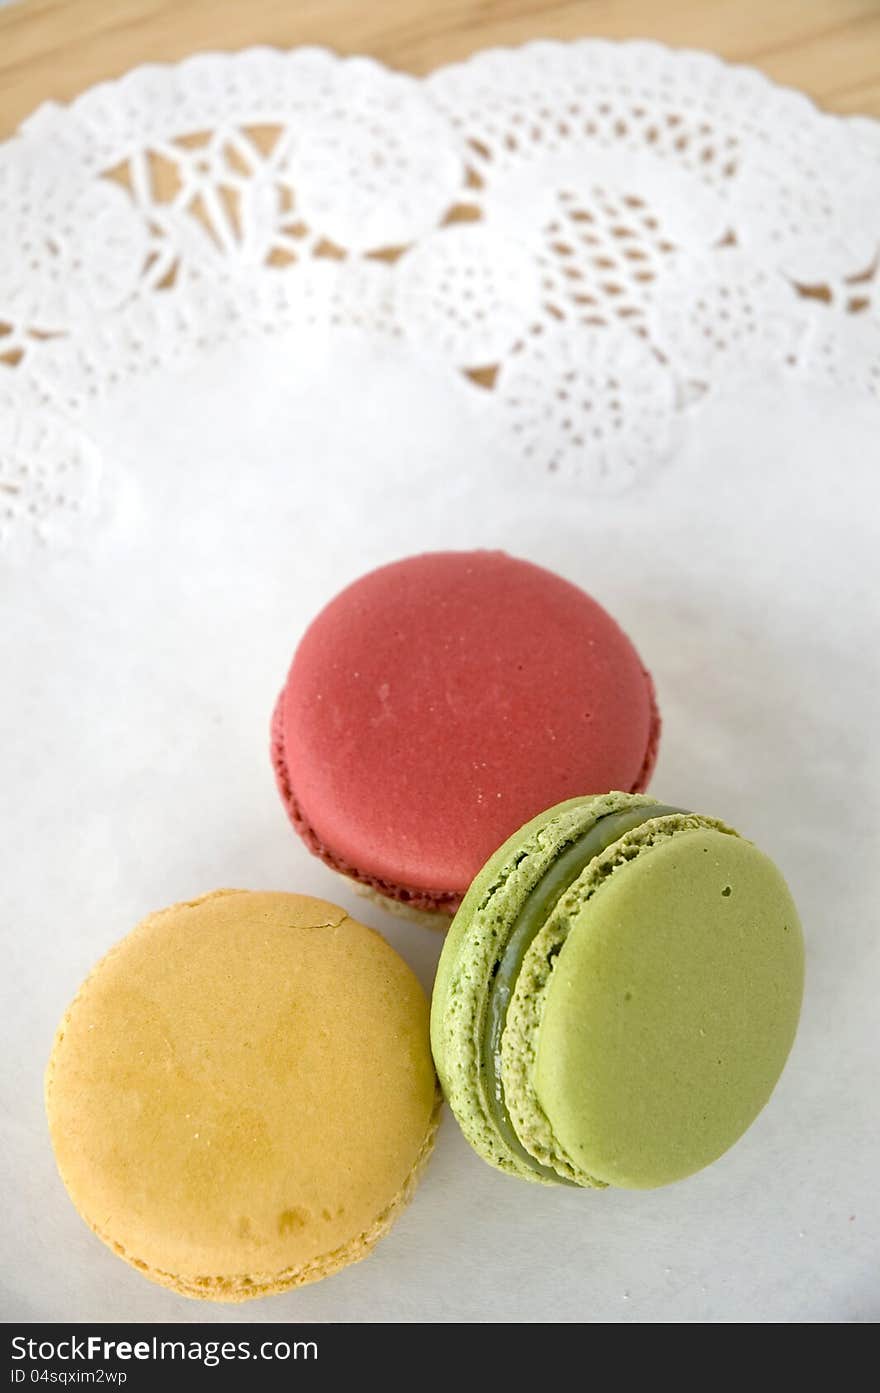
[438,703]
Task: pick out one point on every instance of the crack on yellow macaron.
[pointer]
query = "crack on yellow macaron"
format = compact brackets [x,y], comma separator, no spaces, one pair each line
[111,953]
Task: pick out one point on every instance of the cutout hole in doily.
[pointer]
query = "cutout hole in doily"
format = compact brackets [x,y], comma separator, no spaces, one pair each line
[483,377]
[462,212]
[168,279]
[264,138]
[822,293]
[386,255]
[329,251]
[869,274]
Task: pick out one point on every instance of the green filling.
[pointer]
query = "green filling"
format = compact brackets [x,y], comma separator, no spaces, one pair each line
[537,908]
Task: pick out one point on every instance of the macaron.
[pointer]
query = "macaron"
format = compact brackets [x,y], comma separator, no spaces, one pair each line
[441,701]
[617,995]
[241,1097]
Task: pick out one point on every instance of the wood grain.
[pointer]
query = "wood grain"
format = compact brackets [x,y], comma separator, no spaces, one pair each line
[56,48]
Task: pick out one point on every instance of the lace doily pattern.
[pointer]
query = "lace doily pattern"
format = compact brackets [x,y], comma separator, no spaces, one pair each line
[594,236]
[49,476]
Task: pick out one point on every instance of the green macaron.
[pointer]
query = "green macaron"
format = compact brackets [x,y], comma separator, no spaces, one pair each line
[617,995]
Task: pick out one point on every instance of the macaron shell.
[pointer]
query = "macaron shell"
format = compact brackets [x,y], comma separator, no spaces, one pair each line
[671,1010]
[241,1093]
[473,945]
[441,701]
[518,1045]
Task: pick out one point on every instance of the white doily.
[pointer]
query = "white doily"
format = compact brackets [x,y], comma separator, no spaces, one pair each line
[587,238]
[270,320]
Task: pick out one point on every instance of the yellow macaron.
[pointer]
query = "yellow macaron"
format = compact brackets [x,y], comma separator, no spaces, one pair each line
[241,1096]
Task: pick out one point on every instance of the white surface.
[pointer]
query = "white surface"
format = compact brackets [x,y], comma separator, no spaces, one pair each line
[231,491]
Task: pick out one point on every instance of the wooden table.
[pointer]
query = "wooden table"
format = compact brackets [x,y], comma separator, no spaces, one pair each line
[55,48]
